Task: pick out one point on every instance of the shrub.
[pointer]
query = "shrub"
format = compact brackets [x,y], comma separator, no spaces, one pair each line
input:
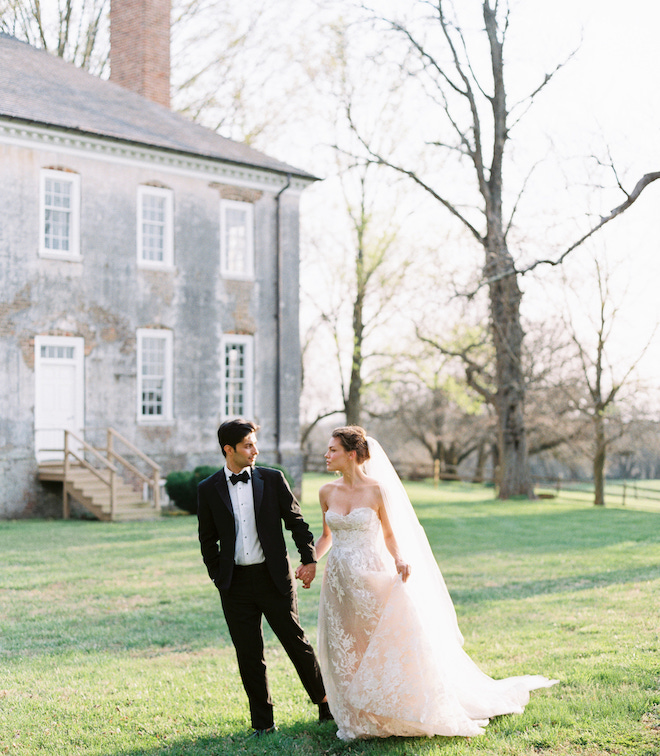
[181,485]
[202,472]
[178,487]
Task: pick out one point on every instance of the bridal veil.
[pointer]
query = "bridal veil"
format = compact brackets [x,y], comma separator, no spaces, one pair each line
[479,696]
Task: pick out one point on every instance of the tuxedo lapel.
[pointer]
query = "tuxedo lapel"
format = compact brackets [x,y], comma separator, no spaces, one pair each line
[223,490]
[257,490]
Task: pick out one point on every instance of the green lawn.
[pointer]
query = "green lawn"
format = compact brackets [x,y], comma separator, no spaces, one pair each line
[112,640]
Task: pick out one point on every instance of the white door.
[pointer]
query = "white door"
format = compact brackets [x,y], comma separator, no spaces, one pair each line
[59,392]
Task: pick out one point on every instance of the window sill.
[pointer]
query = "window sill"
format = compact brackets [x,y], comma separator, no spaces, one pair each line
[227,276]
[164,267]
[59,256]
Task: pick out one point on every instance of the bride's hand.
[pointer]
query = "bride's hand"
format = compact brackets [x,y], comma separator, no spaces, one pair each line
[403,569]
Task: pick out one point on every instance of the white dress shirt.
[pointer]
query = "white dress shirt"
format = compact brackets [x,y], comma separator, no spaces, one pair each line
[248,547]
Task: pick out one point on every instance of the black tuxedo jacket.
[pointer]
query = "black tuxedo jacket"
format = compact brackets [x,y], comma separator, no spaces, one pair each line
[274,504]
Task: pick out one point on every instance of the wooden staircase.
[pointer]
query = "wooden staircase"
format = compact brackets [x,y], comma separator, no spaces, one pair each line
[92,478]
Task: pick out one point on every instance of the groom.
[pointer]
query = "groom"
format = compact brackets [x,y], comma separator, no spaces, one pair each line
[240,510]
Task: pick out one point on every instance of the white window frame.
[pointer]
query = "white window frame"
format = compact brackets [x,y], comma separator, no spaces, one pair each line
[227,270]
[73,253]
[168,233]
[166,417]
[247,407]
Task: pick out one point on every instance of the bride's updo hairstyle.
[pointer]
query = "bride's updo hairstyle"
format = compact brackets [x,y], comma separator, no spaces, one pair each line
[353,438]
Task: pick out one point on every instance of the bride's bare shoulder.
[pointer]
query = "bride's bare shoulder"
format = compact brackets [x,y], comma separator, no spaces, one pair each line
[327,489]
[373,487]
[326,493]
[371,482]
[329,486]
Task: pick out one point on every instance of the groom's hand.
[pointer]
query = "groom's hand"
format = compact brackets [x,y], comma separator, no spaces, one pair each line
[306,573]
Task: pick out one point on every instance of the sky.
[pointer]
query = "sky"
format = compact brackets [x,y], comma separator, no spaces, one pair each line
[610,96]
[605,101]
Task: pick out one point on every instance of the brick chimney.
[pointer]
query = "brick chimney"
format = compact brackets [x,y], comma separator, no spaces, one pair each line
[140,47]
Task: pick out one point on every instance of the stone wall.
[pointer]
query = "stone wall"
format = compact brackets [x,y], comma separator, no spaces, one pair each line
[106,297]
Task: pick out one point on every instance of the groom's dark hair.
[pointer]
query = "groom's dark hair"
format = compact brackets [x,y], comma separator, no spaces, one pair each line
[232,432]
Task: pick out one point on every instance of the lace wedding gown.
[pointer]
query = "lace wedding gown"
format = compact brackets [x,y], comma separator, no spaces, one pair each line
[389,666]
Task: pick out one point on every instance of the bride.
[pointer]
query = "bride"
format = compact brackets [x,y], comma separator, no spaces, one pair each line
[389,646]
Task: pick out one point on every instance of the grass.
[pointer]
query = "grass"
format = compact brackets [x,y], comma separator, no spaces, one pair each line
[112,641]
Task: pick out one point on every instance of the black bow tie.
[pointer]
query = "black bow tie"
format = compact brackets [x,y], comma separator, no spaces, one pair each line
[244,477]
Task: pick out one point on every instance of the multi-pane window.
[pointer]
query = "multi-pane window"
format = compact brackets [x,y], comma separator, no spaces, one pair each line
[60,213]
[56,352]
[237,376]
[236,239]
[154,226]
[154,375]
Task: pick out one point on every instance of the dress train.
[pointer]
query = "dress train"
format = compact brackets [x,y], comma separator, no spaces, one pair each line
[391,655]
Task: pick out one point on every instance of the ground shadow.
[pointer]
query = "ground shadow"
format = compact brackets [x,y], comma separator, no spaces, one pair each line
[582,582]
[303,738]
[537,531]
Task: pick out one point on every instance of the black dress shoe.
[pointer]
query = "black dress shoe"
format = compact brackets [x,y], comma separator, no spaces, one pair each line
[325,715]
[259,733]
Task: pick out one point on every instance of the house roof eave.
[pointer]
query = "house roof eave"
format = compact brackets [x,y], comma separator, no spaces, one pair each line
[24,128]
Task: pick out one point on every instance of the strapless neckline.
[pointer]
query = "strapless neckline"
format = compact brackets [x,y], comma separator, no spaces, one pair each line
[348,514]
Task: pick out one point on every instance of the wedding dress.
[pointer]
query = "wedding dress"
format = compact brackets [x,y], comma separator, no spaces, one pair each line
[391,652]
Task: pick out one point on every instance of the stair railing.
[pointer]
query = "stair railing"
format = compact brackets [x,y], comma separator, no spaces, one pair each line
[152,481]
[111,481]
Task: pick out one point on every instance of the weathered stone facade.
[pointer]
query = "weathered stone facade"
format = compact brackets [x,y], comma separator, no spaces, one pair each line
[105,296]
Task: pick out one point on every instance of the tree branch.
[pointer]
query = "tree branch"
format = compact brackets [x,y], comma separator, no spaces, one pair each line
[647,179]
[315,422]
[472,368]
[380,160]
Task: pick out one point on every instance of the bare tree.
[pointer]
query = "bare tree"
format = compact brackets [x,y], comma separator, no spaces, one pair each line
[473,105]
[441,413]
[366,283]
[237,67]
[552,422]
[637,453]
[76,30]
[227,58]
[603,380]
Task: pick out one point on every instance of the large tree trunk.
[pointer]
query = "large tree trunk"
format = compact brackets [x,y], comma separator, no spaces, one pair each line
[451,460]
[514,477]
[599,461]
[353,403]
[482,454]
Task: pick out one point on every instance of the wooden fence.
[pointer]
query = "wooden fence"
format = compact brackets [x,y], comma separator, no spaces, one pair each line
[617,491]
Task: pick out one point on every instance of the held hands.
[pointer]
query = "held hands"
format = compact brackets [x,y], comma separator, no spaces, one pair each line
[306,573]
[403,569]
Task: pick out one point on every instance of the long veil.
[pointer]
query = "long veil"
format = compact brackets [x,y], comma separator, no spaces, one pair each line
[426,584]
[480,696]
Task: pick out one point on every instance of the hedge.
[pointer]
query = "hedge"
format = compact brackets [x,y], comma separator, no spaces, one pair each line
[181,485]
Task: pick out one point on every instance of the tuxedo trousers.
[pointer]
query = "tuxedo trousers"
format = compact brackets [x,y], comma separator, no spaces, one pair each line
[251,596]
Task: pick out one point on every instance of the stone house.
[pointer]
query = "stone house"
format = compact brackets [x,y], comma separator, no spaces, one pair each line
[148,272]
